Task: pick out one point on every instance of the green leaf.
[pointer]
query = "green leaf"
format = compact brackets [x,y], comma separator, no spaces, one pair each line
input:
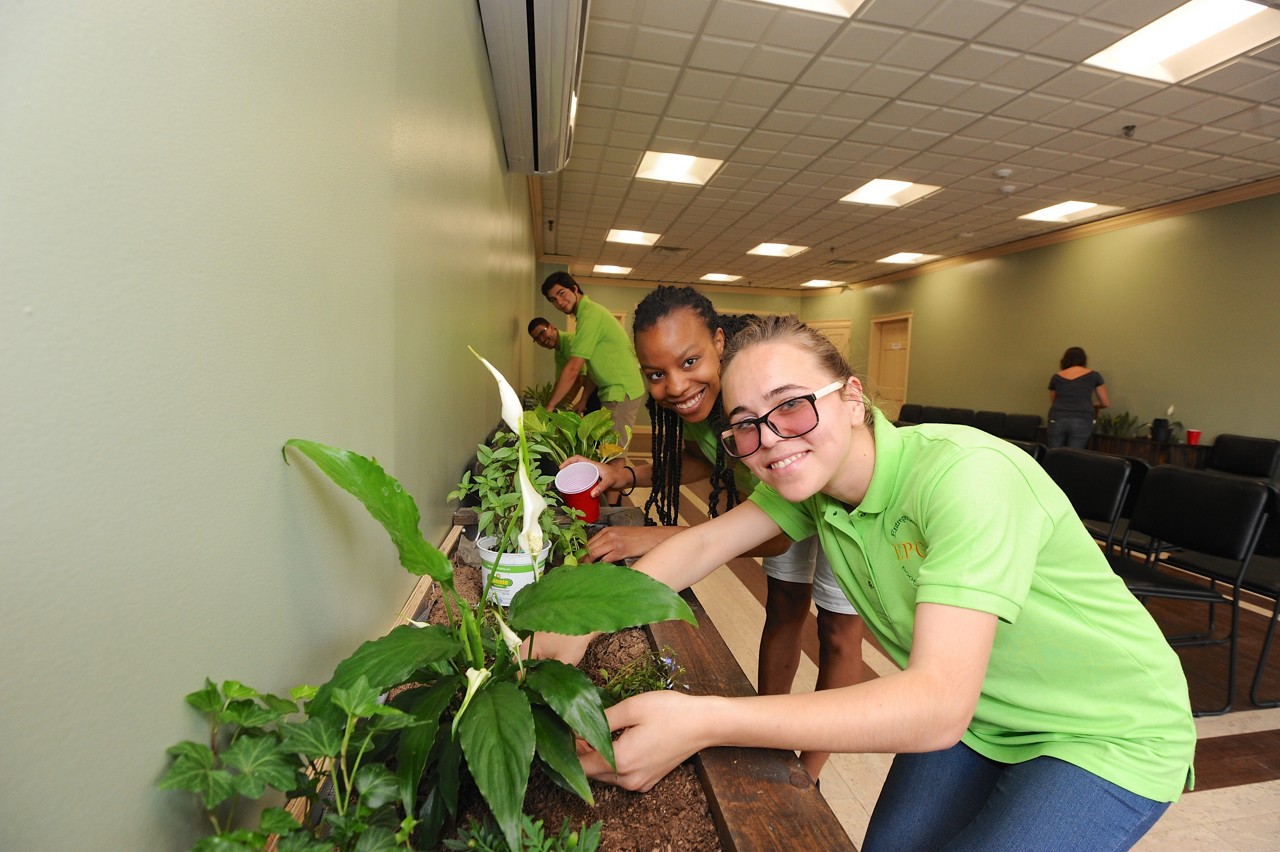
[377,839]
[415,743]
[312,738]
[302,693]
[357,699]
[207,700]
[574,698]
[376,785]
[388,503]
[251,714]
[556,748]
[302,841]
[497,739]
[388,660]
[234,690]
[583,599]
[277,821]
[262,762]
[193,771]
[231,841]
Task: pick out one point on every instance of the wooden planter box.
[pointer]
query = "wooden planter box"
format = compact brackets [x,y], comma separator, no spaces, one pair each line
[759,798]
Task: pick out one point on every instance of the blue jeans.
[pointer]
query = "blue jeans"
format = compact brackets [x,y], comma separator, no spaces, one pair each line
[1069,432]
[959,800]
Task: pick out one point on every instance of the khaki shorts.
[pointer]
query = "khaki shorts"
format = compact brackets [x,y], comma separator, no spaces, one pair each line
[804,562]
[624,413]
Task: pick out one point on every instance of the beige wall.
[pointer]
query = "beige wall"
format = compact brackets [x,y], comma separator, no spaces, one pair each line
[224,225]
[1182,311]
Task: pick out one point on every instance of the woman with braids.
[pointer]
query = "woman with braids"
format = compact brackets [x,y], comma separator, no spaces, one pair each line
[1037,705]
[679,338]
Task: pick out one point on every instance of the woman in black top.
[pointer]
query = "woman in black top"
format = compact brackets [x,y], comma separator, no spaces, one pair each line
[1072,405]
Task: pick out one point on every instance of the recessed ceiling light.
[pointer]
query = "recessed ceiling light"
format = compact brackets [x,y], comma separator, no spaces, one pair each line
[908,257]
[1070,211]
[889,193]
[635,238]
[843,8]
[822,282]
[720,276]
[777,250]
[611,270]
[1191,38]
[677,168]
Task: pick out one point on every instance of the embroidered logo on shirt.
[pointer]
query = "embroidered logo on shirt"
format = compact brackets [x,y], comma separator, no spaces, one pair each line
[907,551]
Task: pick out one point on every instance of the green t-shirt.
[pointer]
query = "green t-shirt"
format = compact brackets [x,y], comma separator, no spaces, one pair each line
[707,441]
[561,352]
[611,363]
[1078,670]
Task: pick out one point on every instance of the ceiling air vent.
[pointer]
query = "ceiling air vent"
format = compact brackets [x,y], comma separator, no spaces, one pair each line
[670,250]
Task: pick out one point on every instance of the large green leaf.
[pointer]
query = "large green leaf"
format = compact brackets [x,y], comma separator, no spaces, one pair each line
[556,747]
[575,699]
[386,500]
[194,771]
[415,743]
[387,661]
[376,785]
[498,739]
[313,738]
[583,599]
[262,763]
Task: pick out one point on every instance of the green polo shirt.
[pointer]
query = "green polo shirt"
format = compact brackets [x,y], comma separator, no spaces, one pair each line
[707,440]
[1078,670]
[561,352]
[611,363]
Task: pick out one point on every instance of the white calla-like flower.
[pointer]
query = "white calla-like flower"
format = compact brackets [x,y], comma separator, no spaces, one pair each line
[512,410]
[530,537]
[475,680]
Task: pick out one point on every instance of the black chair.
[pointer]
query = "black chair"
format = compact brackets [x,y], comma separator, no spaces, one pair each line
[1095,484]
[1037,450]
[963,416]
[1219,516]
[1021,427]
[1262,578]
[909,413]
[1244,456]
[991,422]
[1137,475]
[933,414]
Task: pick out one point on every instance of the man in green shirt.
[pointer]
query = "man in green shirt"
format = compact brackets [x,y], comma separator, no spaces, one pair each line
[548,336]
[601,344]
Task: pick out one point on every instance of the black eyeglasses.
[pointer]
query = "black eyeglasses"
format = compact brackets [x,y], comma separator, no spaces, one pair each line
[790,418]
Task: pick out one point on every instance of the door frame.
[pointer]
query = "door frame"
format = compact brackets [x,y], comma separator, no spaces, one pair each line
[873,347]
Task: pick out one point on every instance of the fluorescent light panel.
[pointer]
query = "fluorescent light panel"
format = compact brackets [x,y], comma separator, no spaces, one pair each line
[611,270]
[822,282]
[1070,211]
[1195,36]
[908,257]
[777,250]
[635,238]
[841,8]
[677,168]
[889,193]
[720,276]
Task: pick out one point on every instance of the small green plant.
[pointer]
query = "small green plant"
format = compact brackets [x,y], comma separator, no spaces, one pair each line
[564,433]
[1121,425]
[653,671]
[536,396]
[484,837]
[466,701]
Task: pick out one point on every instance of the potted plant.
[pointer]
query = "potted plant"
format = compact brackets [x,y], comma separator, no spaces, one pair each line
[1163,429]
[563,433]
[389,738]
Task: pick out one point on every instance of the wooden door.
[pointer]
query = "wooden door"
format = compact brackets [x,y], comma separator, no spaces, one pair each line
[839,332]
[889,358]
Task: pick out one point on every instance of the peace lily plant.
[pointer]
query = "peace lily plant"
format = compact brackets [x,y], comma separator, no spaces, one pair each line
[385,744]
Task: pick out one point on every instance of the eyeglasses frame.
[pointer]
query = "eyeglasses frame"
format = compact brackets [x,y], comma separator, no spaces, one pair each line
[764,419]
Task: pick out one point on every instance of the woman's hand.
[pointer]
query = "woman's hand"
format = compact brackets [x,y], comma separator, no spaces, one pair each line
[660,730]
[614,544]
[612,477]
[557,646]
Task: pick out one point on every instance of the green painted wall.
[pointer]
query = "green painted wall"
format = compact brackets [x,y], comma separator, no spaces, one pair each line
[224,225]
[1184,311]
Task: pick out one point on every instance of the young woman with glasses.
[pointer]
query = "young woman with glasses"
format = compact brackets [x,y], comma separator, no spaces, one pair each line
[1037,707]
[679,338]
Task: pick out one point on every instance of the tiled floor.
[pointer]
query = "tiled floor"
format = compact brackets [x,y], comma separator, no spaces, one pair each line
[1243,817]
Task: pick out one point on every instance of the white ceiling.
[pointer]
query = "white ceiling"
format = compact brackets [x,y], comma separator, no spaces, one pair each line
[804,108]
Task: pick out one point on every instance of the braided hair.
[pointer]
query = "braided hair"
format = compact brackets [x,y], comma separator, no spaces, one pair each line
[668,427]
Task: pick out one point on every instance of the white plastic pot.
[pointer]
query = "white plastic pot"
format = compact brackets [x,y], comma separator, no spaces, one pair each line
[511,573]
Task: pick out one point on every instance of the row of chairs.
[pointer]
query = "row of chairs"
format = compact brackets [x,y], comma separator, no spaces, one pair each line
[1221,533]
[1240,455]
[1018,427]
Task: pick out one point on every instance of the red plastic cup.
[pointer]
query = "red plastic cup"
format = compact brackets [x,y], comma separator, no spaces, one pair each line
[1193,437]
[575,482]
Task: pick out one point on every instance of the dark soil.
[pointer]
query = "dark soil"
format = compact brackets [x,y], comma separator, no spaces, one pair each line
[674,815]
